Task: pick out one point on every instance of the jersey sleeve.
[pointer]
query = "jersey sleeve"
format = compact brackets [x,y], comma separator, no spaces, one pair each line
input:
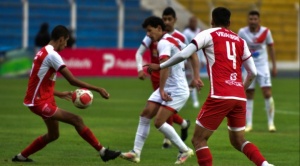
[201,40]
[164,49]
[146,41]
[247,53]
[269,39]
[56,61]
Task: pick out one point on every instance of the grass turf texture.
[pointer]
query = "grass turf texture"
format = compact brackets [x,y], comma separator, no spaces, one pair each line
[114,122]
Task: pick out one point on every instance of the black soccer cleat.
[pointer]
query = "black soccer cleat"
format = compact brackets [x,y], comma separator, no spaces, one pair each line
[16,159]
[110,155]
[184,132]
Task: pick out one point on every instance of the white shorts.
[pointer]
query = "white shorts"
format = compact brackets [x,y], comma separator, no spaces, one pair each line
[179,96]
[263,77]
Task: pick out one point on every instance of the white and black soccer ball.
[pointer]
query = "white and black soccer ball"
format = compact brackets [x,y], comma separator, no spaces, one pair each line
[82,98]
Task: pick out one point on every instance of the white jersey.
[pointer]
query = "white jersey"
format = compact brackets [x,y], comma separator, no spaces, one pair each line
[169,46]
[257,43]
[190,34]
[176,85]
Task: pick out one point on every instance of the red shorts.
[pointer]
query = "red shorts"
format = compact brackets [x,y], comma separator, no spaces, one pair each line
[45,110]
[215,110]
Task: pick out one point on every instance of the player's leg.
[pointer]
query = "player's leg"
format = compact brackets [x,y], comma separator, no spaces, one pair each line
[85,133]
[160,123]
[209,118]
[185,124]
[270,107]
[236,123]
[199,140]
[249,106]
[40,142]
[194,97]
[142,132]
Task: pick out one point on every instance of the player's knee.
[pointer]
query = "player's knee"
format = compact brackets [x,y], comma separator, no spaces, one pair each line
[77,120]
[52,137]
[146,113]
[158,123]
[237,143]
[198,142]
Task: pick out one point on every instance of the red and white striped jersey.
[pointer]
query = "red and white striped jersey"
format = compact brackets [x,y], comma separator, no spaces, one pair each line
[225,52]
[257,43]
[42,76]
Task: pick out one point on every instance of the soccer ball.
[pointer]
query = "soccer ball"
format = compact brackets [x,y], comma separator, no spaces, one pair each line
[82,98]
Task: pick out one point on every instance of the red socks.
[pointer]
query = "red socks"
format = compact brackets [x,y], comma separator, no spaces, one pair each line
[177,119]
[204,156]
[89,137]
[253,153]
[35,146]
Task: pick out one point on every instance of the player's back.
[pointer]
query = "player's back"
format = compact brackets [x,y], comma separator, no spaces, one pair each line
[225,52]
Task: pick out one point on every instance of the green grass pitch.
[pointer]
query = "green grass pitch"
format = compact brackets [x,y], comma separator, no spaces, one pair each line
[114,122]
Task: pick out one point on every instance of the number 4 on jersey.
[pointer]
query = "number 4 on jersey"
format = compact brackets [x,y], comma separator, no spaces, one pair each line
[229,56]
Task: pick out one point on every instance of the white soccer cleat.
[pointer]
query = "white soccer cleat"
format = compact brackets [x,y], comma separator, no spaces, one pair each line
[182,157]
[131,156]
[248,128]
[272,128]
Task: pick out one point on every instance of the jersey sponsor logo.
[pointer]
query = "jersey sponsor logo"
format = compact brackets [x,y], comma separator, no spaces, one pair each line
[232,81]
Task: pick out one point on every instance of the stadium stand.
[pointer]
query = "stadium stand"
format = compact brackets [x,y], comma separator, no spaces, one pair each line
[280,16]
[10,24]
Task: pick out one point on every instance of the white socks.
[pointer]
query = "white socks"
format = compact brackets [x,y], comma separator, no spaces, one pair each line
[195,98]
[183,124]
[171,134]
[102,150]
[141,134]
[270,109]
[249,113]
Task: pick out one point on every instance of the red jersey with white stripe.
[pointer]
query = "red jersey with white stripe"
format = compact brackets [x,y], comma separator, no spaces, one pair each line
[257,42]
[43,76]
[225,52]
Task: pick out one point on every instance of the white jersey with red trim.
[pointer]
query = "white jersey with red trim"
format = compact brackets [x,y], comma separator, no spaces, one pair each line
[190,34]
[178,35]
[43,76]
[257,43]
[168,46]
[225,52]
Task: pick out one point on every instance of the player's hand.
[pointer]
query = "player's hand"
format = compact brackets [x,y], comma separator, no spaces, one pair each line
[103,93]
[165,96]
[142,75]
[197,83]
[67,95]
[152,67]
[274,72]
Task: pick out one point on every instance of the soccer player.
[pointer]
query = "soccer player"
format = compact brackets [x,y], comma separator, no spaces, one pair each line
[40,98]
[225,53]
[190,32]
[259,39]
[169,18]
[168,99]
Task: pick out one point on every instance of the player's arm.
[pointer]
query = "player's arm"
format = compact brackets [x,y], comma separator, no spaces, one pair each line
[76,82]
[64,95]
[139,61]
[251,71]
[164,74]
[180,56]
[271,52]
[197,82]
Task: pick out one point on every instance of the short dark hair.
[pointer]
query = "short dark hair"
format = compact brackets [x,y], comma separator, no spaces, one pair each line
[59,31]
[221,16]
[254,12]
[169,11]
[154,21]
